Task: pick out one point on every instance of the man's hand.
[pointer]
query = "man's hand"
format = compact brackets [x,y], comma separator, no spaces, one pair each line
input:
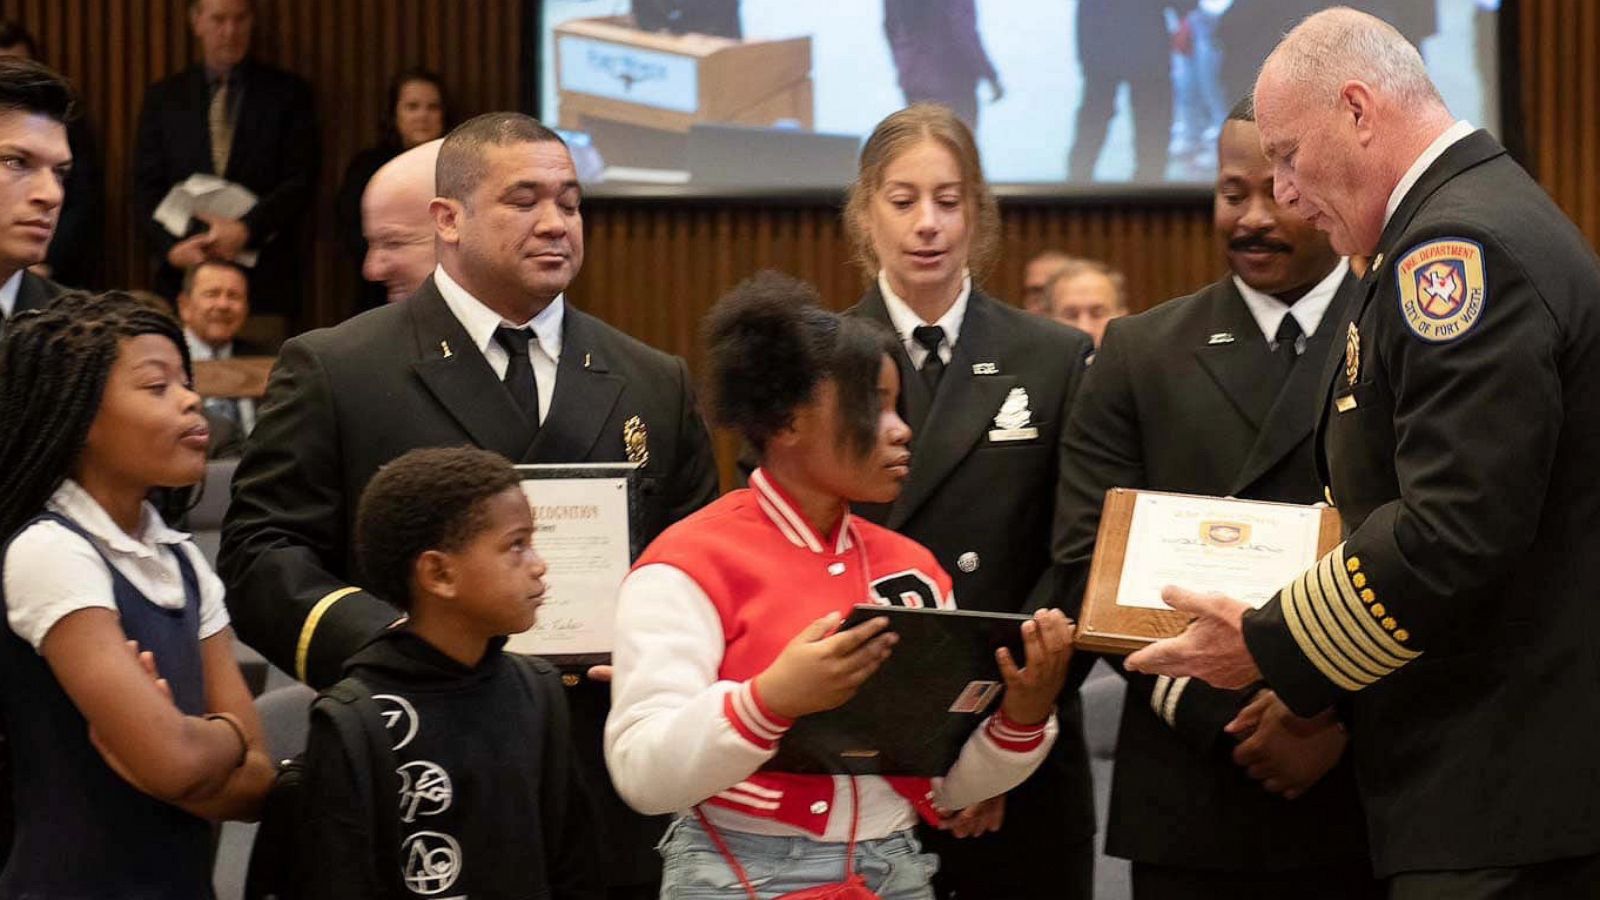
[1284,752]
[1212,647]
[189,252]
[976,820]
[821,669]
[228,237]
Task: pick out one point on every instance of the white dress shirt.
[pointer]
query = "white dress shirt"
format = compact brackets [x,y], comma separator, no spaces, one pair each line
[8,293]
[1429,156]
[1268,311]
[904,320]
[200,351]
[51,572]
[480,323]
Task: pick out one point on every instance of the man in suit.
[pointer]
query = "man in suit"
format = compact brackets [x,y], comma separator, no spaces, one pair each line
[1123,41]
[1455,626]
[75,250]
[1236,368]
[213,305]
[242,120]
[1086,294]
[397,223]
[34,105]
[487,352]
[939,56]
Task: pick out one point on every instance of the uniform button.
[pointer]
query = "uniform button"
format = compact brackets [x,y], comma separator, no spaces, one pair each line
[569,680]
[1353,563]
[1378,611]
[1402,635]
[1359,579]
[967,562]
[1388,624]
[1367,595]
[819,807]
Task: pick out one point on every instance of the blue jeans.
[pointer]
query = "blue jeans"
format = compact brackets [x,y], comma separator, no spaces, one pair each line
[895,867]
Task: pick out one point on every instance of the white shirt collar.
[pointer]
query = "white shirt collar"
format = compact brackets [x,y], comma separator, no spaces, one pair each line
[1429,156]
[775,503]
[904,319]
[200,351]
[72,501]
[8,293]
[480,321]
[1268,311]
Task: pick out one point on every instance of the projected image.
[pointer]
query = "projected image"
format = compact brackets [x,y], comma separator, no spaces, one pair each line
[1064,95]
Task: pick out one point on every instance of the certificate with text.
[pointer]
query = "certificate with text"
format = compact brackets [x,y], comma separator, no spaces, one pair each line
[1246,549]
[585,527]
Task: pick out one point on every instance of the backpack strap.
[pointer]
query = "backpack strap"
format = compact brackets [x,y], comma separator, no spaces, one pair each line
[366,739]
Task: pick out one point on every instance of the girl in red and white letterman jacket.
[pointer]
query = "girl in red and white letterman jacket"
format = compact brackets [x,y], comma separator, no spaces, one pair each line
[726,627]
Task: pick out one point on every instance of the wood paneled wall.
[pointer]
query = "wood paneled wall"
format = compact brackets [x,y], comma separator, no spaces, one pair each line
[653,267]
[347,49]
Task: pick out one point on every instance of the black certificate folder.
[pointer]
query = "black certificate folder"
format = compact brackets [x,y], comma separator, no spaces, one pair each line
[915,713]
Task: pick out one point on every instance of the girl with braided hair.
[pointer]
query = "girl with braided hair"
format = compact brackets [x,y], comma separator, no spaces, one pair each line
[127,720]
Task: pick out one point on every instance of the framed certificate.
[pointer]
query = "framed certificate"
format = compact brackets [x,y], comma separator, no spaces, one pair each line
[586,526]
[1247,549]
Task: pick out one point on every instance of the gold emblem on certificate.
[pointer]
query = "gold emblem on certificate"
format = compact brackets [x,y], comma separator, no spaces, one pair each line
[1011,422]
[636,440]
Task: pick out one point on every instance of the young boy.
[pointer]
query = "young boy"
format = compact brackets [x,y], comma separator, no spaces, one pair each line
[489,803]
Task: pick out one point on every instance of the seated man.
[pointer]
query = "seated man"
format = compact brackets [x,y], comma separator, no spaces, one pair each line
[1036,276]
[213,305]
[1086,294]
[397,222]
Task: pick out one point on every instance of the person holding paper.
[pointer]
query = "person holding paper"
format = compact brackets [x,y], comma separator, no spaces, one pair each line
[726,626]
[986,388]
[241,120]
[1237,368]
[491,352]
[1455,625]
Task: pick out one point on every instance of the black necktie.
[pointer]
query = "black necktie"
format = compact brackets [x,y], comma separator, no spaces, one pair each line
[930,336]
[1284,344]
[519,378]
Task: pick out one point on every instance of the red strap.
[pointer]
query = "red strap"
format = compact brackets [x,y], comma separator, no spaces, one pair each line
[738,870]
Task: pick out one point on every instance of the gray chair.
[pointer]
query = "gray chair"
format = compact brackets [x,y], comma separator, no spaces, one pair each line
[285,717]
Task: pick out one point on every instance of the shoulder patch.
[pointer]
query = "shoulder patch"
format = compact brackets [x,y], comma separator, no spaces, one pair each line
[1442,288]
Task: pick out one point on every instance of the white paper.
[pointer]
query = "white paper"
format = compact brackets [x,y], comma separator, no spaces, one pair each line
[1246,550]
[580,527]
[202,194]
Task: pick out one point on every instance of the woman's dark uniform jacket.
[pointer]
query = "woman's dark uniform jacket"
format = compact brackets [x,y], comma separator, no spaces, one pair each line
[984,507]
[1167,406]
[345,400]
[1457,625]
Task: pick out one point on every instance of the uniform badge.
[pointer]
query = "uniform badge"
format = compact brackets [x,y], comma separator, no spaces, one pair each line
[1352,354]
[1221,337]
[1442,290]
[636,440]
[985,368]
[1011,422]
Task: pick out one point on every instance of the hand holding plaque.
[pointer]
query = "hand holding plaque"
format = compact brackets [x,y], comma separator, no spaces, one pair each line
[1245,549]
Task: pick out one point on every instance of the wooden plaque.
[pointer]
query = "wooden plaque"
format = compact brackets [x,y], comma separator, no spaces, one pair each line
[1104,625]
[242,376]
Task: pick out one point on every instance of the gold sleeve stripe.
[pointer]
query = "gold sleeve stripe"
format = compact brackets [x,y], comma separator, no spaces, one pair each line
[1322,599]
[1293,604]
[302,649]
[1363,651]
[1382,645]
